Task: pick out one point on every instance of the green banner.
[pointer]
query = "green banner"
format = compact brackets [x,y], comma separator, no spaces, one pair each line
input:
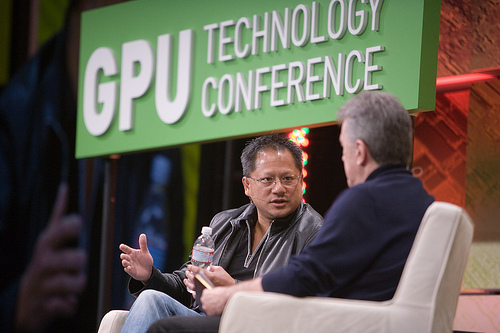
[163,73]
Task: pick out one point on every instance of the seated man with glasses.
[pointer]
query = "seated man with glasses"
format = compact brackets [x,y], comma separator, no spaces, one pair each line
[250,241]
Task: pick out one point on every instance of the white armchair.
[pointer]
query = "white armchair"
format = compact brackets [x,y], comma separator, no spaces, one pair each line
[113,321]
[425,300]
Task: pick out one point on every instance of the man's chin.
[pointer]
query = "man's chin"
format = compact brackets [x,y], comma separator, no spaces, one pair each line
[282,212]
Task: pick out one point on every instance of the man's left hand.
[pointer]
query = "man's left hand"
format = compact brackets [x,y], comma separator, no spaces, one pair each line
[214,300]
[216,274]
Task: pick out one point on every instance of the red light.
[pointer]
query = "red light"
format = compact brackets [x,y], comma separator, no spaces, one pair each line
[463,82]
[298,136]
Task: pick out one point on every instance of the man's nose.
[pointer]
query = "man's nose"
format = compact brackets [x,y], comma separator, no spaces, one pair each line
[277,186]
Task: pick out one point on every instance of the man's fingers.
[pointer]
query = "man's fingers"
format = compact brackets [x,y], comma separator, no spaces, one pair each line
[193,269]
[190,278]
[67,261]
[60,205]
[143,243]
[125,263]
[61,305]
[190,286]
[189,283]
[128,269]
[63,230]
[64,284]
[125,248]
[124,256]
[67,231]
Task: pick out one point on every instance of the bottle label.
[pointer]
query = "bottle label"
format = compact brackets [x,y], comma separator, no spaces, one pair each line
[202,257]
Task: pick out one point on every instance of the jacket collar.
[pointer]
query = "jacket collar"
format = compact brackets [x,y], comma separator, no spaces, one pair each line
[387,169]
[249,215]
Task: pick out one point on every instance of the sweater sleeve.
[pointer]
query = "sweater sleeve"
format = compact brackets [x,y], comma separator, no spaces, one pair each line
[170,283]
[338,254]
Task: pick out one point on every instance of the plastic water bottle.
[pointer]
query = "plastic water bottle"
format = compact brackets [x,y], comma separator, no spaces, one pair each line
[153,215]
[203,249]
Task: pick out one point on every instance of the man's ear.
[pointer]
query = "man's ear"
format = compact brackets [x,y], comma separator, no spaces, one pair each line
[362,152]
[245,186]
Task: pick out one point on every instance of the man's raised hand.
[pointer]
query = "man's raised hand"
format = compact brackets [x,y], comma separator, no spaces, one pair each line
[138,263]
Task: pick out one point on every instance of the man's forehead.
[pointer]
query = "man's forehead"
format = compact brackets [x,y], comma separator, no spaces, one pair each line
[271,152]
[283,157]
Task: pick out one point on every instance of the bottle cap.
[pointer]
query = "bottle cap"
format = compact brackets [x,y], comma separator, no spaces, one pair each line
[206,231]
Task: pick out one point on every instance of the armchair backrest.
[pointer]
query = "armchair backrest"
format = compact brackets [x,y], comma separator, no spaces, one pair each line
[432,276]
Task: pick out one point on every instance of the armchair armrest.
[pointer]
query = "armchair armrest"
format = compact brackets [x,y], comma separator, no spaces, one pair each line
[272,312]
[113,321]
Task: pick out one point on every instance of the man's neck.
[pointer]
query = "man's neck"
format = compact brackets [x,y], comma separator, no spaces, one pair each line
[369,168]
[258,232]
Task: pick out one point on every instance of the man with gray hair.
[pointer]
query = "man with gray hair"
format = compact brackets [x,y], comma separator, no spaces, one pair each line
[361,250]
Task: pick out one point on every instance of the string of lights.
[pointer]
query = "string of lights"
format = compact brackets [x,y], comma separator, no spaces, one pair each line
[299,136]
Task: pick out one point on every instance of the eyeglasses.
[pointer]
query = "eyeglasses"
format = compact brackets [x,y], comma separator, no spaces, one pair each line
[288,181]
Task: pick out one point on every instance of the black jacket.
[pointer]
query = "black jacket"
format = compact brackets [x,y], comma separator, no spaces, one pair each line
[284,238]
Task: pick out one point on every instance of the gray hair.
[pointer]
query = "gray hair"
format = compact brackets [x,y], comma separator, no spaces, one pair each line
[382,123]
[273,141]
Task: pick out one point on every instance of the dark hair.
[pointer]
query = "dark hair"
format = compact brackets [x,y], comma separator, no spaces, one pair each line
[379,119]
[274,141]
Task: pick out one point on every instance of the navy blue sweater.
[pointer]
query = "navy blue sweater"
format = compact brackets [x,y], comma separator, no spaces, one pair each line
[361,250]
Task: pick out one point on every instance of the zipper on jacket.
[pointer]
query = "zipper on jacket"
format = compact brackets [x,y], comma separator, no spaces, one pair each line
[250,255]
[225,245]
[268,233]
